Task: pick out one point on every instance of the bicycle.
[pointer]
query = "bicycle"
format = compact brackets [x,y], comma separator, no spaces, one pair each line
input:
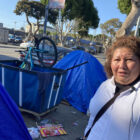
[45,50]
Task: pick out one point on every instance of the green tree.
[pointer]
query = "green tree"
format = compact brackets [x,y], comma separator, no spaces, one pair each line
[111,26]
[33,9]
[83,10]
[100,38]
[22,28]
[77,16]
[124,6]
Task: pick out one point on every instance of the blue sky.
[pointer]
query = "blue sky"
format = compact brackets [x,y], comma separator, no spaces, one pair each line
[107,9]
[7,17]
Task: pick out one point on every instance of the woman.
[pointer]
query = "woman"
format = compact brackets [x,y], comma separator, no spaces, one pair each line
[121,121]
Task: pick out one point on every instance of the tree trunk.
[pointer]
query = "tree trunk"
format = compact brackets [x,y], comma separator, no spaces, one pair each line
[38,25]
[30,30]
[130,20]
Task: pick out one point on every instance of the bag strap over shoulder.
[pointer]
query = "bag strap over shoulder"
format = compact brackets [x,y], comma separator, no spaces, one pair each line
[105,107]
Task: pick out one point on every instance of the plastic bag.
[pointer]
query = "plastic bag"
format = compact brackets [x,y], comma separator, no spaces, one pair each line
[34,132]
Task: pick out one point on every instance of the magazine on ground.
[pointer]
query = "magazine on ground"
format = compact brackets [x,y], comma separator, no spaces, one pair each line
[51,130]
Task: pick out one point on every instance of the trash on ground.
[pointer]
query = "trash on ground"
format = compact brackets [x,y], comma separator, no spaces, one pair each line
[44,121]
[34,132]
[75,123]
[51,130]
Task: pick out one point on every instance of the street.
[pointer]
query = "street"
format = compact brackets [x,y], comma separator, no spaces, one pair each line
[7,52]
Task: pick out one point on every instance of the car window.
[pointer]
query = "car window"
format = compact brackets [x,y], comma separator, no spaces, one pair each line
[18,37]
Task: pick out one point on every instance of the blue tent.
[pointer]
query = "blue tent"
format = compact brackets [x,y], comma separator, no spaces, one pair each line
[12,126]
[81,82]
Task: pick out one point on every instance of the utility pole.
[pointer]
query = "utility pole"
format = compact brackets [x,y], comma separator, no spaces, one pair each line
[15,28]
[15,24]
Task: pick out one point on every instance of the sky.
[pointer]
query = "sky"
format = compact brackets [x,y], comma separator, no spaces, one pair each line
[107,9]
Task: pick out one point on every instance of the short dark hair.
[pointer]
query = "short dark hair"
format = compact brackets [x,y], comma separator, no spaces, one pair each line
[130,42]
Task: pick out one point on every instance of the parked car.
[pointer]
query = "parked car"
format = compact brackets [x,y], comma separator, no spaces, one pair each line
[11,38]
[92,50]
[78,48]
[18,39]
[26,44]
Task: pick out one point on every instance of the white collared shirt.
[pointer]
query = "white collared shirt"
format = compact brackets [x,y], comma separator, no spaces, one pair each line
[121,120]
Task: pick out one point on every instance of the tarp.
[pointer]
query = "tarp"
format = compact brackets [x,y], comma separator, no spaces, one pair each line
[81,82]
[12,126]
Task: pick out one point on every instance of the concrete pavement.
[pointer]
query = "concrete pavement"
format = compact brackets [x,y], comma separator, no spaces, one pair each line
[73,121]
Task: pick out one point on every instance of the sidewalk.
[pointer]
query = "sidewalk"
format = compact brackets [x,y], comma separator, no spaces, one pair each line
[73,121]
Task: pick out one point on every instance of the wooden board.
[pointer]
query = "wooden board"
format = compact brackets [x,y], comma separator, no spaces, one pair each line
[37,115]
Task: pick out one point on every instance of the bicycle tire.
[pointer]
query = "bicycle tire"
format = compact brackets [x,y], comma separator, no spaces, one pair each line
[47,55]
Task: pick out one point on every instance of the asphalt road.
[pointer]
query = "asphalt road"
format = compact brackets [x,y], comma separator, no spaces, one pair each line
[7,52]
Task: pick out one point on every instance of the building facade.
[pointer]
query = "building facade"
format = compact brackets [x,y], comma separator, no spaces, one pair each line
[3,34]
[34,28]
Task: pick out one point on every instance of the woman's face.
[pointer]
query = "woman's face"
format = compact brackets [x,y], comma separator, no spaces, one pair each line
[125,66]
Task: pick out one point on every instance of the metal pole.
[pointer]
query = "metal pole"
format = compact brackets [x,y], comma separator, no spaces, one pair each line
[46,18]
[60,26]
[137,27]
[45,24]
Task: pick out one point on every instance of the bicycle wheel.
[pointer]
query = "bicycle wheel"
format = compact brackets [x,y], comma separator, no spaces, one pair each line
[46,52]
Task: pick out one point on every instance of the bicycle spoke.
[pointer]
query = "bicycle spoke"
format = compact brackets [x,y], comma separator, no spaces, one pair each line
[47,52]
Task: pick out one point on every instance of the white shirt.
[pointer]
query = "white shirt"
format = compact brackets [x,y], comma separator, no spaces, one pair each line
[121,121]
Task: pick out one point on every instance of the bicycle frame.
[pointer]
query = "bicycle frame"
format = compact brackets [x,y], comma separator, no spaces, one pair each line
[29,53]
